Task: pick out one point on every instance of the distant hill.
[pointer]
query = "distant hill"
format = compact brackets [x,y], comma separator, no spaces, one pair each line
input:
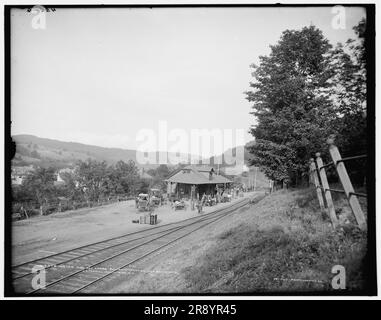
[232,153]
[44,152]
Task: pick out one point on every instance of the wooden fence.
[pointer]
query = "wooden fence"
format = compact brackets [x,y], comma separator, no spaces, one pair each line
[318,178]
[28,209]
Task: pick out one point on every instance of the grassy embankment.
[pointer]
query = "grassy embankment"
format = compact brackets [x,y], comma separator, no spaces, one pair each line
[285,241]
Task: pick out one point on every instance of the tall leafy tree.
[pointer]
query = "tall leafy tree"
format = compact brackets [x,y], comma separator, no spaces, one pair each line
[349,92]
[125,177]
[290,96]
[70,188]
[91,178]
[40,184]
[349,96]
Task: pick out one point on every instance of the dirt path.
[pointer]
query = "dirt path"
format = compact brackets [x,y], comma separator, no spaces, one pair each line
[41,236]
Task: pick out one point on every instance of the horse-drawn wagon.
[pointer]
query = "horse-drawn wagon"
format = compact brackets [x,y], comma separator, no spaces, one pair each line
[156,197]
[143,202]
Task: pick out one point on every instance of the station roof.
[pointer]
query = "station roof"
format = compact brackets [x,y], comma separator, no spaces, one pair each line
[199,168]
[196,175]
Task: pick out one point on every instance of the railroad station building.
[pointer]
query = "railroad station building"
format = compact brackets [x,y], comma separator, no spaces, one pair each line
[204,179]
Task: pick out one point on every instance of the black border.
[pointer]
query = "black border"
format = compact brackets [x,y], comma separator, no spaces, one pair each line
[370,266]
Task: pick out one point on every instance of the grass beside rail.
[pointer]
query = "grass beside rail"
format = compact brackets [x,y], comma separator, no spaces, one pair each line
[286,245]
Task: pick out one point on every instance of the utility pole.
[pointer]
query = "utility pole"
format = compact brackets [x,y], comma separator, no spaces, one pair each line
[255,178]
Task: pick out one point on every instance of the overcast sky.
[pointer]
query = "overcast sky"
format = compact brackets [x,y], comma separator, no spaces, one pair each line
[98,76]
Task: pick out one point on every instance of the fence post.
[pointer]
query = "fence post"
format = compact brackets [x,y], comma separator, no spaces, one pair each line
[24,211]
[327,193]
[315,181]
[347,184]
[310,176]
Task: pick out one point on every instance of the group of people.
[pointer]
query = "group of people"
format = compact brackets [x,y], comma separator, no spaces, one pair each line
[198,201]
[209,200]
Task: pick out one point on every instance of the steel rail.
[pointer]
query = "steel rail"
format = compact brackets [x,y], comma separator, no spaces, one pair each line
[180,225]
[234,207]
[115,255]
[89,253]
[118,237]
[154,250]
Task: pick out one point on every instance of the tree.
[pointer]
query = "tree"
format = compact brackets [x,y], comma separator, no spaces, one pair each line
[349,93]
[142,186]
[291,104]
[158,176]
[124,177]
[162,171]
[91,177]
[40,184]
[349,100]
[70,188]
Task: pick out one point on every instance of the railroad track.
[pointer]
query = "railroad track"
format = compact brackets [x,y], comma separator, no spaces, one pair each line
[81,269]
